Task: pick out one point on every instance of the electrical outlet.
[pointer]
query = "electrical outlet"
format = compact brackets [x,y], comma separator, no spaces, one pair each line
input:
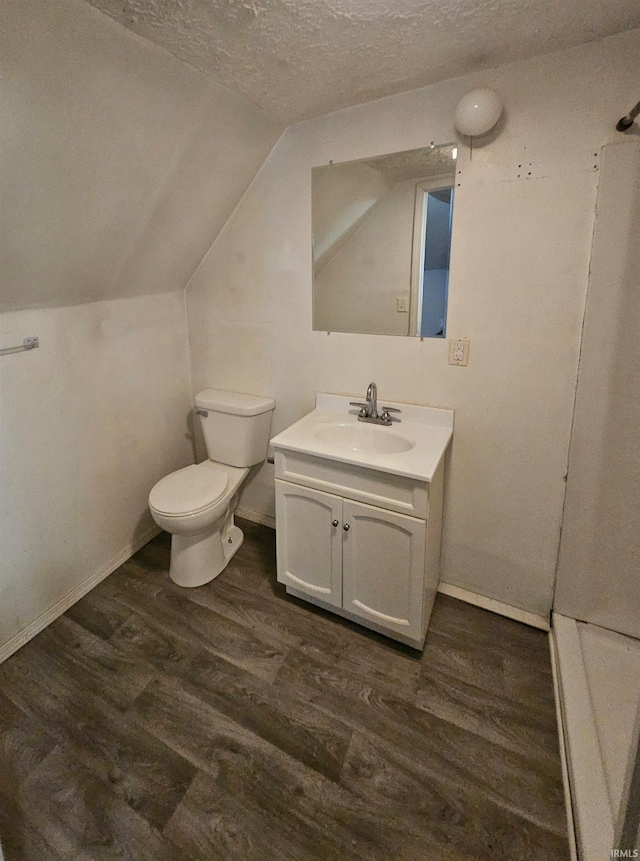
[459,351]
[402,304]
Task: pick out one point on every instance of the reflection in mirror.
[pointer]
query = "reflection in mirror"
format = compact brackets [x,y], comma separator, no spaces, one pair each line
[381,242]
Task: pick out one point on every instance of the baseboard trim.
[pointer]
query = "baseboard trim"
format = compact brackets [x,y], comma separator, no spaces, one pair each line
[562,744]
[256,517]
[18,640]
[494,606]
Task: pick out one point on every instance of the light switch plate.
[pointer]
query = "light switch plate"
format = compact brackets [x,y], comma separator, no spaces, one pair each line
[459,351]
[402,304]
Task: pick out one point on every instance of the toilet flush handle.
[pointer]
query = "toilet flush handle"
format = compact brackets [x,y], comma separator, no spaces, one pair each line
[204,413]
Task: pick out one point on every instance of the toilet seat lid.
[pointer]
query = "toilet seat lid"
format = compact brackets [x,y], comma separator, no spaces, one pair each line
[189,490]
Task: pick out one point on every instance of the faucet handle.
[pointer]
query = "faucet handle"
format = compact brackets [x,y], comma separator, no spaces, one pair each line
[363,408]
[385,414]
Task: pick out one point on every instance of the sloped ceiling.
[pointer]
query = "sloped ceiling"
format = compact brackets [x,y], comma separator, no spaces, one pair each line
[120,164]
[301,58]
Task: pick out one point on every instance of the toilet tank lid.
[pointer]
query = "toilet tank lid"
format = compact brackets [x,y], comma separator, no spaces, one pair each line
[233,402]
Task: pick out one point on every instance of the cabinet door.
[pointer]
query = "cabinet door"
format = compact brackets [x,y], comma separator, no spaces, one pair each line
[383,567]
[308,545]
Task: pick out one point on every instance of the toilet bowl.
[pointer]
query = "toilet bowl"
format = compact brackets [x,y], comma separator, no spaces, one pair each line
[196,504]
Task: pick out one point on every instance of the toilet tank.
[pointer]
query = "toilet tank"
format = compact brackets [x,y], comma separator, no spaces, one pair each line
[235,426]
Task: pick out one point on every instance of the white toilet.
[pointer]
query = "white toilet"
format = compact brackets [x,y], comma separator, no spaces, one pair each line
[196,504]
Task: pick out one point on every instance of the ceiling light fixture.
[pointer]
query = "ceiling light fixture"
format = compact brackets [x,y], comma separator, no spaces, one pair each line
[478,112]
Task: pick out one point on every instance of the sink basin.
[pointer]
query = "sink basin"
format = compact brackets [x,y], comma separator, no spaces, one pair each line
[367,439]
[412,448]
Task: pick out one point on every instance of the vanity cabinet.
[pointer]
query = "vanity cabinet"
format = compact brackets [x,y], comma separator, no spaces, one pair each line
[309,541]
[377,564]
[383,568]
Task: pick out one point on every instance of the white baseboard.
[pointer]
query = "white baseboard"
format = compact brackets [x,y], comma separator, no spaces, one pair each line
[18,640]
[495,606]
[256,517]
[562,743]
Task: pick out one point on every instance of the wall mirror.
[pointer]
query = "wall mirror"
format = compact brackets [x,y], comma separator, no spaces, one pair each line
[381,242]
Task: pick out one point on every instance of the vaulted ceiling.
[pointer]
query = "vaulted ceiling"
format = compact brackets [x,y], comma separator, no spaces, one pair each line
[300,58]
[120,164]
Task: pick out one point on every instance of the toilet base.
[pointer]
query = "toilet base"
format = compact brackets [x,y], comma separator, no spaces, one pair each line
[198,559]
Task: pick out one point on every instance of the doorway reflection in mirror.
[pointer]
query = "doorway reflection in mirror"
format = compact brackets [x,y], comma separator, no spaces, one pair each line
[436,210]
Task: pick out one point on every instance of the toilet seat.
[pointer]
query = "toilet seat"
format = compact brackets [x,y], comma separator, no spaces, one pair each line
[191,490]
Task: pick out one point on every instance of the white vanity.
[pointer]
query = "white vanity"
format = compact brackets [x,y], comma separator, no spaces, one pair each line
[359,513]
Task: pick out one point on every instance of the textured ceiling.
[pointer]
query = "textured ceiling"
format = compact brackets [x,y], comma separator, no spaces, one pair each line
[414,163]
[300,58]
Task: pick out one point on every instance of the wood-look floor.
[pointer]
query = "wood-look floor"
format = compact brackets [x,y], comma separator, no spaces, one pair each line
[232,722]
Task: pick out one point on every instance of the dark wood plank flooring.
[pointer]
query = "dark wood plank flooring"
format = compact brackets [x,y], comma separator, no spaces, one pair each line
[234,722]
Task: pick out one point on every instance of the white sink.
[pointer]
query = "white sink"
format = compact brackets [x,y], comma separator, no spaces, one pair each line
[413,447]
[364,438]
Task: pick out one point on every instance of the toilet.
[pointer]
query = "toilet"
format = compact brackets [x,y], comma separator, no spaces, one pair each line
[196,504]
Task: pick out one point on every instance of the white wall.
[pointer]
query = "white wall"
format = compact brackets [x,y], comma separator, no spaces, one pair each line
[88,423]
[120,164]
[343,195]
[356,289]
[599,562]
[523,220]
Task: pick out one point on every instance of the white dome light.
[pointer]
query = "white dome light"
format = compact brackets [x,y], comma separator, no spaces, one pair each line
[478,112]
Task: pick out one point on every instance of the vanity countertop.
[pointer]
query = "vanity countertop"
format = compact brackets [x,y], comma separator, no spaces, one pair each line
[332,431]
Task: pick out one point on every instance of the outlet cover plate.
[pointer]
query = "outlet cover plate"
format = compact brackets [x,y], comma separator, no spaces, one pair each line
[459,351]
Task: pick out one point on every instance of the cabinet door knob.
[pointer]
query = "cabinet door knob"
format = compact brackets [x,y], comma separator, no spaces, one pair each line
[346,527]
[334,523]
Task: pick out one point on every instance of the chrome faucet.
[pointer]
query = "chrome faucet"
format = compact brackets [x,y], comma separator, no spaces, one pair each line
[372,400]
[369,410]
